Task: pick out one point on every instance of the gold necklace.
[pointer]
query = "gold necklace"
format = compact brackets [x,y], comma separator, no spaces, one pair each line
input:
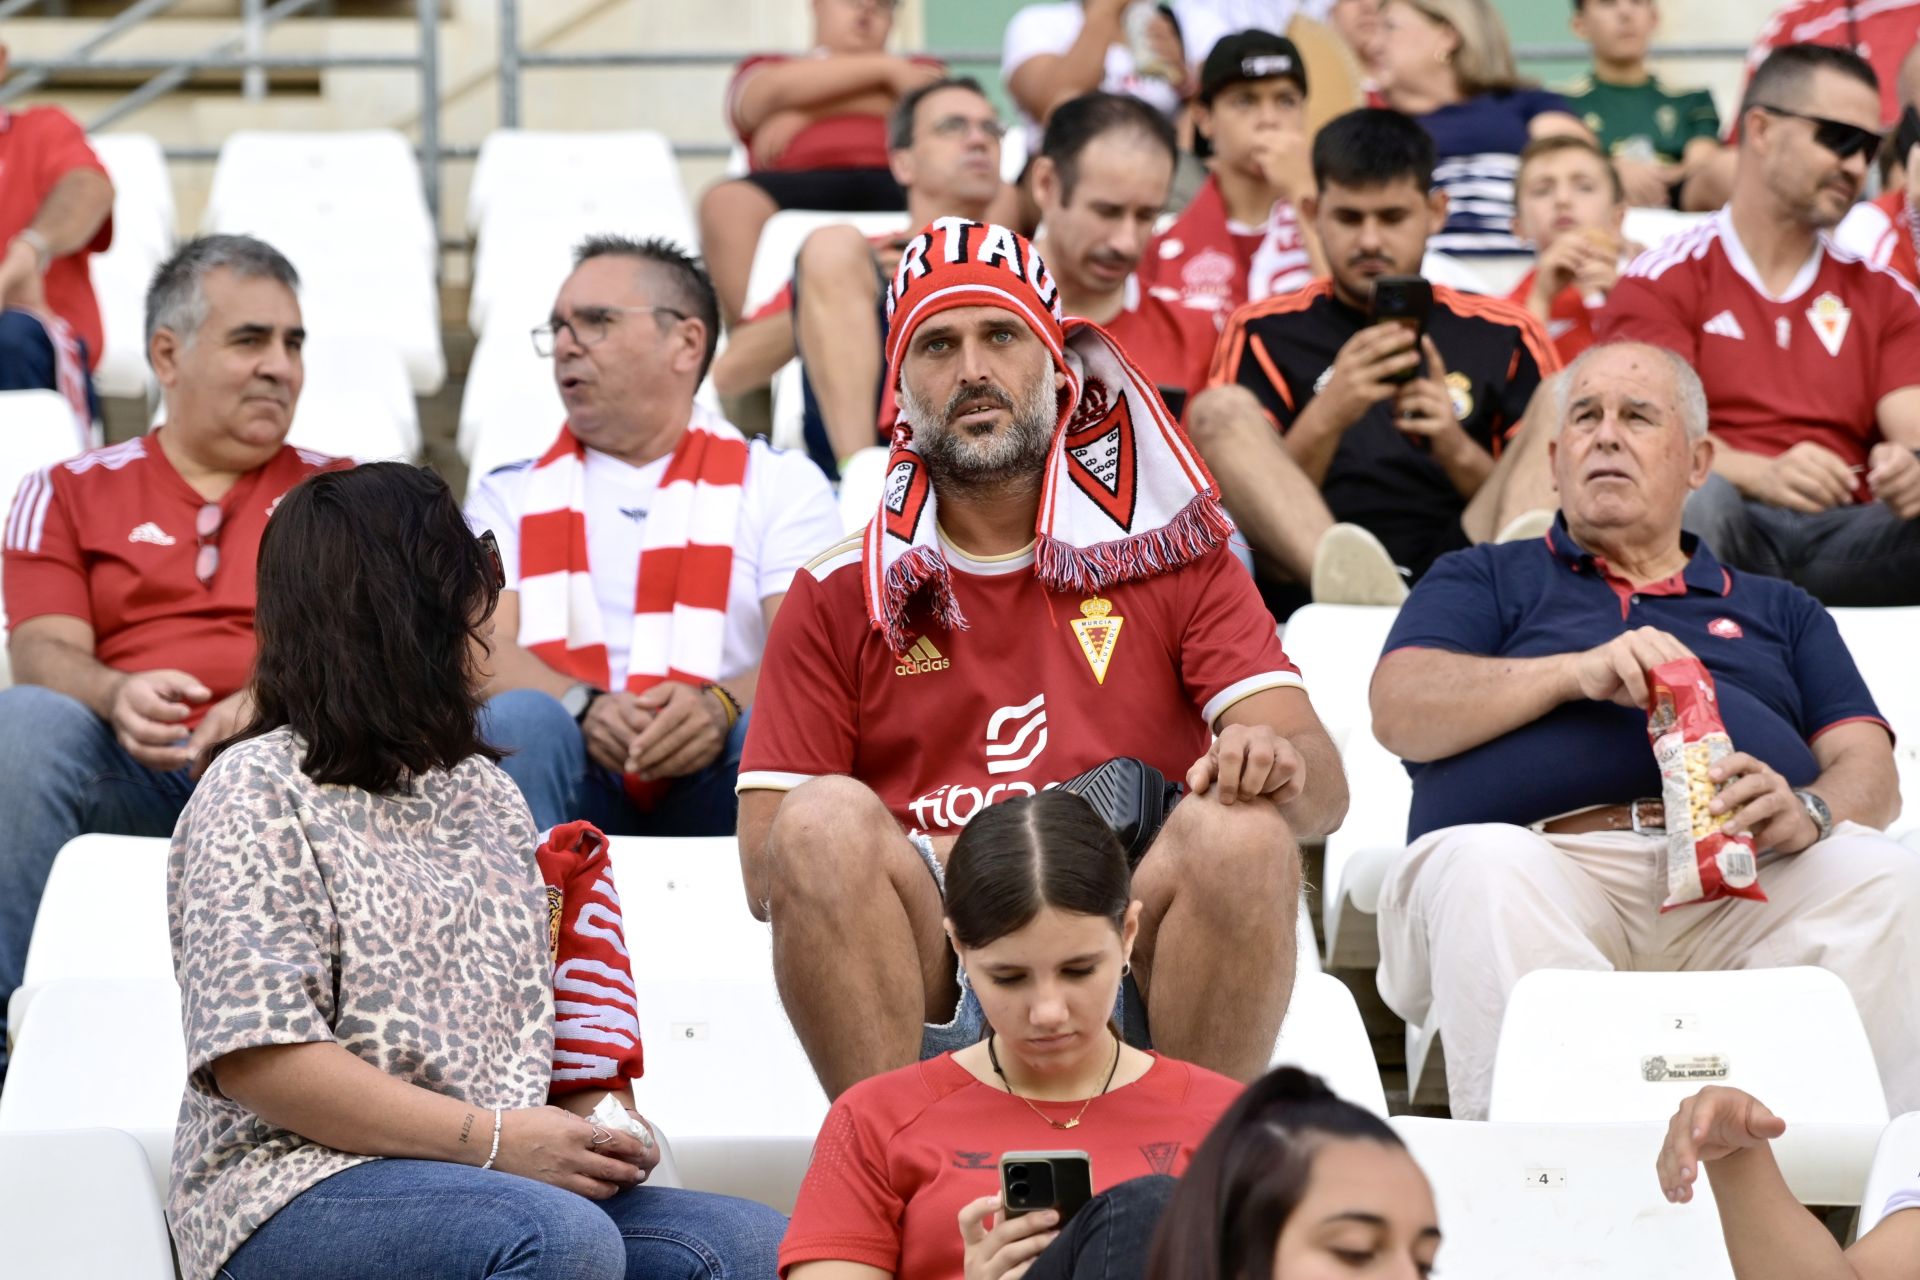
[994,1058]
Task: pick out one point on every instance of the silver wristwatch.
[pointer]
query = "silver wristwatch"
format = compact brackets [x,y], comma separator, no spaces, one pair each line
[578,699]
[1817,810]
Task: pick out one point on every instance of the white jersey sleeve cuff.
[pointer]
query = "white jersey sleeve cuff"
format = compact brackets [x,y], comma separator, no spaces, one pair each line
[1242,689]
[769,780]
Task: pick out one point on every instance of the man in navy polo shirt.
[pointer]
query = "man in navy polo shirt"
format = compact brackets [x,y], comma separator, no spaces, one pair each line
[1514,684]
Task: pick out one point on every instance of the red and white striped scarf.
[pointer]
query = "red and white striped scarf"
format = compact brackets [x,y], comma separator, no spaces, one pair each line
[69,373]
[686,564]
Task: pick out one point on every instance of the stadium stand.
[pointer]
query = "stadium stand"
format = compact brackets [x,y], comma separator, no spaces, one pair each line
[143,236]
[58,1186]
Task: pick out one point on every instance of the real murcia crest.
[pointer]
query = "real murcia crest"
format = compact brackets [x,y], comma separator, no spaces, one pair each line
[1098,631]
[1830,318]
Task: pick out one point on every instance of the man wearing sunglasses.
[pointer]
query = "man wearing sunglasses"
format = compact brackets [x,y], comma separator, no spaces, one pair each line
[1809,355]
[130,575]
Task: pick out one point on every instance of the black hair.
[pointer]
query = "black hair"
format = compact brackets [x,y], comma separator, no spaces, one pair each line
[1782,80]
[1017,856]
[900,121]
[1078,121]
[1372,147]
[689,287]
[373,602]
[1248,1176]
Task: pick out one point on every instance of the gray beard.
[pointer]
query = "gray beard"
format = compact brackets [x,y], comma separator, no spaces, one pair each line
[1013,459]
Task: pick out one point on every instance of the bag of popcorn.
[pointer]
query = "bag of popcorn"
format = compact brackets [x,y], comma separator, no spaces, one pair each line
[1704,861]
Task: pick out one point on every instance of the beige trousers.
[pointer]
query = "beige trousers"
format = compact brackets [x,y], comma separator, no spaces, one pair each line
[1467,910]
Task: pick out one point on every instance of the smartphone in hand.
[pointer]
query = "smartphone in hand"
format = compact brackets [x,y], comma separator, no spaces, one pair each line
[1402,300]
[1034,1180]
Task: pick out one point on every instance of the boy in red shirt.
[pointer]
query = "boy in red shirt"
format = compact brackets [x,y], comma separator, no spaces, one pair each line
[129,576]
[56,207]
[1569,202]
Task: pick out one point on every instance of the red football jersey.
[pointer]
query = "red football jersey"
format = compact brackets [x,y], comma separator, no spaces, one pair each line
[1881,31]
[1811,364]
[829,142]
[1037,688]
[1171,344]
[108,537]
[1571,322]
[38,147]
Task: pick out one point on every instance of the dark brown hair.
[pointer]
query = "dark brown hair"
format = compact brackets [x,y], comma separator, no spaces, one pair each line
[373,599]
[1555,143]
[1045,850]
[1249,1175]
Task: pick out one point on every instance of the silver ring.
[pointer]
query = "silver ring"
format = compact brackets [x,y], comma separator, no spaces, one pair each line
[599,1136]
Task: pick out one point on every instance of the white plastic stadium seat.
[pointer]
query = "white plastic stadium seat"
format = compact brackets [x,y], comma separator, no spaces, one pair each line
[783,235]
[1572,1201]
[1881,641]
[789,408]
[357,401]
[1587,1046]
[1336,647]
[103,915]
[143,236]
[1323,1033]
[36,430]
[524,255]
[861,480]
[77,1204]
[1360,852]
[1896,1166]
[511,408]
[616,174]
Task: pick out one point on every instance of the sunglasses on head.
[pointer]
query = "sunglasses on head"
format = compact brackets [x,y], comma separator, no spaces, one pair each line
[490,548]
[1843,139]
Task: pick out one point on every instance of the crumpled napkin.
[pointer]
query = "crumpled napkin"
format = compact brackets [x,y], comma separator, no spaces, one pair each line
[609,1113]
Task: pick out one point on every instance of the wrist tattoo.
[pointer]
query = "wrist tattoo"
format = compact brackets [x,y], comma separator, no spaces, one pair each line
[466,1129]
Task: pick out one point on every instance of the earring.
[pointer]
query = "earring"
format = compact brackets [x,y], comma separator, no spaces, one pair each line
[1126,968]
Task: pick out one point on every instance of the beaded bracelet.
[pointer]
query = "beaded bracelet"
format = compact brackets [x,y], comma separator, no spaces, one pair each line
[495,1153]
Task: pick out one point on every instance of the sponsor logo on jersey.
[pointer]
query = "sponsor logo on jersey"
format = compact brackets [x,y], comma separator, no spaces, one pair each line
[151,532]
[1724,326]
[974,1160]
[920,658]
[1460,391]
[1016,736]
[1725,628]
[1830,318]
[1098,631]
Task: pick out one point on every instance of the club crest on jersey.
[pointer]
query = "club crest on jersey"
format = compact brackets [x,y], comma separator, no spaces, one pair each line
[906,497]
[1100,457]
[1830,317]
[1460,392]
[1098,631]
[1725,628]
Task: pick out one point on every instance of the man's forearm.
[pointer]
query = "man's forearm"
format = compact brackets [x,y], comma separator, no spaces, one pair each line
[1769,1235]
[65,668]
[1429,704]
[755,352]
[1741,469]
[809,82]
[1322,805]
[1467,465]
[71,214]
[1861,787]
[1314,438]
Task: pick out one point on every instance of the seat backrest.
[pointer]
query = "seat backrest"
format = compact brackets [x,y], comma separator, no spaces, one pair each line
[1896,1167]
[1323,1033]
[104,912]
[143,206]
[1336,647]
[861,479]
[265,179]
[108,1049]
[1584,1046]
[1570,1201]
[1881,642]
[79,1204]
[36,430]
[357,401]
[783,235]
[600,173]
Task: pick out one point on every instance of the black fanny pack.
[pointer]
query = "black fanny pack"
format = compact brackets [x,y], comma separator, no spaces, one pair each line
[1134,798]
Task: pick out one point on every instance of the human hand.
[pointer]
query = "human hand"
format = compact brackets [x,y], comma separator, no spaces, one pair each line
[1362,369]
[1617,670]
[1169,53]
[1762,804]
[1108,10]
[555,1146]
[1248,762]
[223,719]
[649,1156]
[775,134]
[1647,181]
[1558,263]
[1599,267]
[1807,478]
[1711,1125]
[1008,1248]
[21,284]
[906,75]
[610,726]
[147,709]
[1285,158]
[1893,476]
[687,729]
[1423,408]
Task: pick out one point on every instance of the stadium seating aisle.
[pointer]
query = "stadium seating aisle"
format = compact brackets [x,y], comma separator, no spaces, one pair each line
[60,1188]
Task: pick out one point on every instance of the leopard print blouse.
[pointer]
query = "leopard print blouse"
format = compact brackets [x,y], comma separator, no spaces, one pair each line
[410,929]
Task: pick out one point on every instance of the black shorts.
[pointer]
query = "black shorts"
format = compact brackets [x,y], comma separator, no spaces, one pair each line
[839,190]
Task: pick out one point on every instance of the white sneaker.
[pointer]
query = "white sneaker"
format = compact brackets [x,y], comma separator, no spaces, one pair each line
[1527,526]
[1350,566]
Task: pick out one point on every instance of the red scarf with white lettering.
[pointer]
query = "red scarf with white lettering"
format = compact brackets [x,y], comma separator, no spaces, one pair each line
[596,1018]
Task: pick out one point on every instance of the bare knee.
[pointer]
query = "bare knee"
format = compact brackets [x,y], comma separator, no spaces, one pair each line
[1233,858]
[1218,413]
[832,837]
[732,199]
[834,254]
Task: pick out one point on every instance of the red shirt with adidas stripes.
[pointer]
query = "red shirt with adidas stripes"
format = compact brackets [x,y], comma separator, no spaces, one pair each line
[1038,687]
[38,147]
[1810,364]
[108,538]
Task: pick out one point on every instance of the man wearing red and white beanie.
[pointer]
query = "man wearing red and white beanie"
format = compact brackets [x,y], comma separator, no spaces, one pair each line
[1045,588]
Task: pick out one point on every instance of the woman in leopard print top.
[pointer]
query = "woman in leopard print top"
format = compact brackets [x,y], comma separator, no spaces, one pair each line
[360,934]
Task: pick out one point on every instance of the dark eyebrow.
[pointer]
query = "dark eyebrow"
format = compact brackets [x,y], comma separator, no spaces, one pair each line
[1356,1215]
[259,331]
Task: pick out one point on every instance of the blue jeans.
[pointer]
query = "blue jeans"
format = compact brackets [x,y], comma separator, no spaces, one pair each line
[1855,555]
[428,1219]
[547,757]
[62,775]
[27,360]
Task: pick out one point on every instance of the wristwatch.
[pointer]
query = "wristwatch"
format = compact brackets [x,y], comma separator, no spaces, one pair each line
[578,700]
[1817,810]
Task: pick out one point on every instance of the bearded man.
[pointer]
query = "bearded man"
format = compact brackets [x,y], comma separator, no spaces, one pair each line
[1048,570]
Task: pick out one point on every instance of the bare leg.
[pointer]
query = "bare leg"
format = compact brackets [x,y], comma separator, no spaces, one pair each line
[1711,185]
[858,949]
[1280,512]
[731,215]
[1522,480]
[837,330]
[1221,891]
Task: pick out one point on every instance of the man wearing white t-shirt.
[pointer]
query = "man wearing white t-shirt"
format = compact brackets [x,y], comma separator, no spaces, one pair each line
[1054,52]
[645,555]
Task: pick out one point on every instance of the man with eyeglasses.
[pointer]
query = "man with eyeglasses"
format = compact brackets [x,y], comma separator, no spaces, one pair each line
[1810,356]
[129,576]
[943,143]
[645,553]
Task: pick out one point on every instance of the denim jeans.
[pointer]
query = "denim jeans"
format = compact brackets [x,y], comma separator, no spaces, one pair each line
[1856,555]
[1109,1238]
[61,775]
[547,757]
[428,1220]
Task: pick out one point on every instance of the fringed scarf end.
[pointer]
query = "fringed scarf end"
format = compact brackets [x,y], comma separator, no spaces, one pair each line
[1200,527]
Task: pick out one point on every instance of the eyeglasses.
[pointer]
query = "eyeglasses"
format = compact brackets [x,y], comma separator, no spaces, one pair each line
[490,547]
[961,126]
[589,325]
[206,529]
[1844,140]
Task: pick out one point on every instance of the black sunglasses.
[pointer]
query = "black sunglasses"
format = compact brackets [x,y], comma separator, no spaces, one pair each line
[1843,139]
[490,547]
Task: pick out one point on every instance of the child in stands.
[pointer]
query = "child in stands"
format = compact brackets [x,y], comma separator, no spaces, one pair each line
[1568,201]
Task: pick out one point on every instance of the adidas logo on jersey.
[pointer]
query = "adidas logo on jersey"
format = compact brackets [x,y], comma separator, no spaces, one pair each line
[921,657]
[151,532]
[1724,325]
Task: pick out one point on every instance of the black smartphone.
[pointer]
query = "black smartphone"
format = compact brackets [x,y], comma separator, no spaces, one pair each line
[1034,1180]
[1404,300]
